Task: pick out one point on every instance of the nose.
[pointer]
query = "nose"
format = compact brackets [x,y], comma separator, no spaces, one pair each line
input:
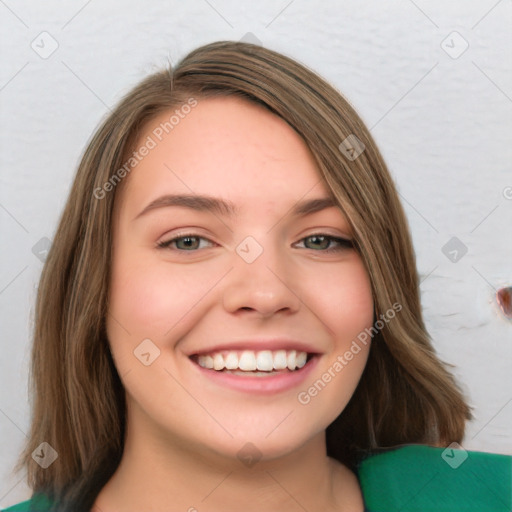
[264,287]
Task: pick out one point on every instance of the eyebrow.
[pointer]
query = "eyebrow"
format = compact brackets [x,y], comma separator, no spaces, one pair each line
[227,208]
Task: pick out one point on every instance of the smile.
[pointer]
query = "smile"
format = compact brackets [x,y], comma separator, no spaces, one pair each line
[254,361]
[260,372]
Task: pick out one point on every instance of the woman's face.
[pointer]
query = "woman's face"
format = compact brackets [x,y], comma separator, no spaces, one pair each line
[227,252]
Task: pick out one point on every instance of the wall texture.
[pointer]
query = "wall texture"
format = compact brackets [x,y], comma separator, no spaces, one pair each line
[433,80]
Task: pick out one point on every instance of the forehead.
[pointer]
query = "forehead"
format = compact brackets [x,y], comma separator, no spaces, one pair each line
[224,147]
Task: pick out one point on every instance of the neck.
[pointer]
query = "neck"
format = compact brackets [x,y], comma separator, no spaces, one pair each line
[157,473]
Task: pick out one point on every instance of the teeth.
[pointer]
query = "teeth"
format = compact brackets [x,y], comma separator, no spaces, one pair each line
[250,361]
[218,362]
[290,359]
[247,361]
[280,360]
[264,361]
[300,359]
[231,361]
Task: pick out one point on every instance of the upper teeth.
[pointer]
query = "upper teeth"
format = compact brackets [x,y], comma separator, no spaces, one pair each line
[248,360]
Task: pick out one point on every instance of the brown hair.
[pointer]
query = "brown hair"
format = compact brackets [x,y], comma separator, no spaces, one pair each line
[405,395]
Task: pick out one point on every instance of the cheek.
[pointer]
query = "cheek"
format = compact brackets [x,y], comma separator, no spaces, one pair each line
[346,304]
[346,309]
[139,300]
[152,299]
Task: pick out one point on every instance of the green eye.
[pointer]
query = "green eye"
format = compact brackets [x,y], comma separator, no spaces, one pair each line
[326,243]
[186,243]
[318,242]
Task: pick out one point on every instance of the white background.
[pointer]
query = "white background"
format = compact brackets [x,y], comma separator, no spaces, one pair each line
[444,126]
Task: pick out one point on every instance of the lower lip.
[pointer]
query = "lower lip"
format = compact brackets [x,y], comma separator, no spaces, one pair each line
[261,385]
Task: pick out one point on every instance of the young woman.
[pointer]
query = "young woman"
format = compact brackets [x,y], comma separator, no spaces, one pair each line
[229,317]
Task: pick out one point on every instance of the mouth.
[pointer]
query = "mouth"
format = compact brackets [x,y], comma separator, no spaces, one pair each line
[253,362]
[263,371]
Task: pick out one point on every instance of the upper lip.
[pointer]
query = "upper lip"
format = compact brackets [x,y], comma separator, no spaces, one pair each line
[258,345]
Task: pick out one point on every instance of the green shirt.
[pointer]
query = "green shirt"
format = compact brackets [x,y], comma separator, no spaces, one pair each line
[416,478]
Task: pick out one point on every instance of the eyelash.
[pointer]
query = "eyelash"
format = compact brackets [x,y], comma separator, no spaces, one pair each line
[344,243]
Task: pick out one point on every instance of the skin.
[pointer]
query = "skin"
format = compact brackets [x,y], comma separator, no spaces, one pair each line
[184,431]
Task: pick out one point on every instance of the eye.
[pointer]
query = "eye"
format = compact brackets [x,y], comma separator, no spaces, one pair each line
[189,242]
[326,243]
[316,242]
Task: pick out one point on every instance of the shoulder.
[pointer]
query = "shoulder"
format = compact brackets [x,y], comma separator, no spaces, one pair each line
[423,478]
[36,504]
[20,507]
